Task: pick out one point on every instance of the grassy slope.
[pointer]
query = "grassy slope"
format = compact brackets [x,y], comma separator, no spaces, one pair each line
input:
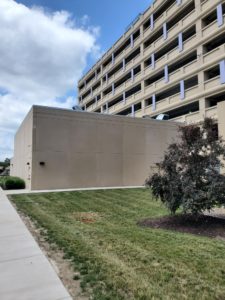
[120,260]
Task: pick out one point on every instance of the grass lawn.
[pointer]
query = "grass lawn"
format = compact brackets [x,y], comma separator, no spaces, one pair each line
[118,259]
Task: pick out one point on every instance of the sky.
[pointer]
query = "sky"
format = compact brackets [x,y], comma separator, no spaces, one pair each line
[46,47]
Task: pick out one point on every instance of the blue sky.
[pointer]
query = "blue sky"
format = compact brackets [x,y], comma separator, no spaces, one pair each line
[112,16]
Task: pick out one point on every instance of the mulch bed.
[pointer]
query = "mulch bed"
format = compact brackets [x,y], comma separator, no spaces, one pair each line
[204,225]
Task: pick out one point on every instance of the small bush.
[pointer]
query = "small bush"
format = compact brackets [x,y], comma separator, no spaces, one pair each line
[2,181]
[12,183]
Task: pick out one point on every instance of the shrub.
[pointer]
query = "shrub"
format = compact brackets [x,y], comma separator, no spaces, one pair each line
[2,181]
[12,183]
[189,177]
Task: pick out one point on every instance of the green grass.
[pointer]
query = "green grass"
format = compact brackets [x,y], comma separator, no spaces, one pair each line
[118,259]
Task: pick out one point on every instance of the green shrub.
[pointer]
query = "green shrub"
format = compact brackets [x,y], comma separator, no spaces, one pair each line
[12,183]
[189,176]
[2,181]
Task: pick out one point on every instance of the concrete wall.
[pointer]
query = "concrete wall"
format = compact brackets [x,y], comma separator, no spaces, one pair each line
[91,150]
[21,164]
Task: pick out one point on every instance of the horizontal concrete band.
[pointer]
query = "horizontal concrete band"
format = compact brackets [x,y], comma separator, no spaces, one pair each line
[13,192]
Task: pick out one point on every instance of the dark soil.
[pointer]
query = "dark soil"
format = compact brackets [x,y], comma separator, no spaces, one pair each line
[203,225]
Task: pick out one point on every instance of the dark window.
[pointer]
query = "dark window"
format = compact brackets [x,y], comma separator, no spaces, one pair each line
[148,62]
[125,112]
[115,101]
[182,62]
[172,45]
[181,111]
[114,70]
[90,103]
[154,78]
[211,73]
[163,8]
[153,38]
[122,80]
[134,90]
[107,62]
[213,100]
[96,86]
[133,55]
[214,43]
[168,93]
[189,8]
[107,91]
[137,106]
[90,78]
[191,82]
[86,94]
[211,17]
[148,102]
[126,43]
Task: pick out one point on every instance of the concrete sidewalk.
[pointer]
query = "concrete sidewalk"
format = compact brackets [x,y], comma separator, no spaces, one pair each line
[13,192]
[25,272]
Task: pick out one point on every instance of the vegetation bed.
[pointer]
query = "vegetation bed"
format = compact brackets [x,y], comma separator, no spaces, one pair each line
[204,225]
[117,258]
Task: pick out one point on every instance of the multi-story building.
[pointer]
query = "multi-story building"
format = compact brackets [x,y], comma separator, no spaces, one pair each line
[171,60]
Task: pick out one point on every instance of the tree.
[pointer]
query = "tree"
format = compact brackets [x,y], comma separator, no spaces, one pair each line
[5,163]
[189,176]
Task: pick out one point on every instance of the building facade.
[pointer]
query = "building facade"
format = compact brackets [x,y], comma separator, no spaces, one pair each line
[59,149]
[171,60]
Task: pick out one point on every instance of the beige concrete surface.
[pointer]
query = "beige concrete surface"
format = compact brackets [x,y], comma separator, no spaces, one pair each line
[81,150]
[23,144]
[25,272]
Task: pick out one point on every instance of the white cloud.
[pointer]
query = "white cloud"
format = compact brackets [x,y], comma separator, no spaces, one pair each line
[42,56]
